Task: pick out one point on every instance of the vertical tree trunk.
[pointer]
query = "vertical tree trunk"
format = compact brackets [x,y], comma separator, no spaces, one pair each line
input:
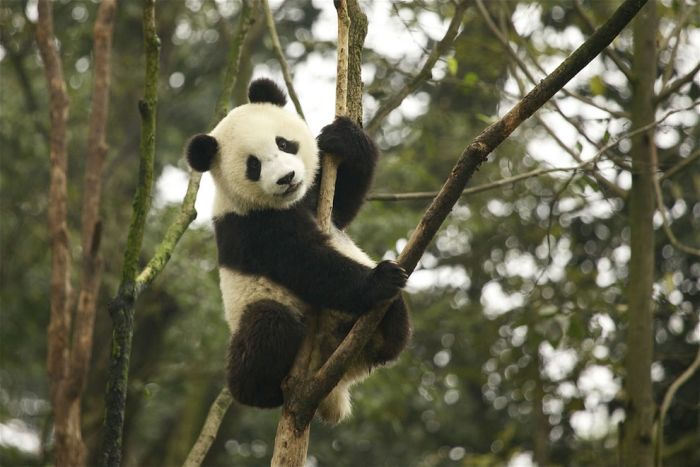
[637,449]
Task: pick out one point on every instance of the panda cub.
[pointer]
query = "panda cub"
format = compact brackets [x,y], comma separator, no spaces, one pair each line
[276,267]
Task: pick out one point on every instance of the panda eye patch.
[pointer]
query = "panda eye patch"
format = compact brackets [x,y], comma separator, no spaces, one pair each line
[252,170]
[291,147]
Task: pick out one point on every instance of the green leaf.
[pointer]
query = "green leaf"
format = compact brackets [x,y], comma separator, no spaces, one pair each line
[597,86]
[452,65]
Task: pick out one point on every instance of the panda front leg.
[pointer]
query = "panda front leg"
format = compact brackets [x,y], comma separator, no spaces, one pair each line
[358,157]
[262,351]
[395,330]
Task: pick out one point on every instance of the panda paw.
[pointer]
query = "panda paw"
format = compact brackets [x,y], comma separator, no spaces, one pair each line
[386,280]
[344,139]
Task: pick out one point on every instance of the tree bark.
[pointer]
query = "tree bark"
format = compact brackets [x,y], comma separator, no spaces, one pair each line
[121,308]
[637,449]
[69,357]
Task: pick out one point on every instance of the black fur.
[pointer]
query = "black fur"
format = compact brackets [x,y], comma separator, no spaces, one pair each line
[201,150]
[287,247]
[252,168]
[265,90]
[262,352]
[395,328]
[290,147]
[358,156]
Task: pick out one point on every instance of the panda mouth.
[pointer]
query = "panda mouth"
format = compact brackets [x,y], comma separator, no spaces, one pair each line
[290,189]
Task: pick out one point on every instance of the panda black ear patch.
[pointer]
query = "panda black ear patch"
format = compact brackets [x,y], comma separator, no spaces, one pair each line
[201,150]
[266,90]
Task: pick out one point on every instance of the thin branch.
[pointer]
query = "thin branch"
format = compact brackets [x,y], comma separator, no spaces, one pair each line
[472,157]
[685,15]
[609,185]
[504,41]
[668,398]
[209,430]
[665,220]
[81,350]
[609,52]
[438,51]
[277,48]
[247,18]
[673,87]
[681,165]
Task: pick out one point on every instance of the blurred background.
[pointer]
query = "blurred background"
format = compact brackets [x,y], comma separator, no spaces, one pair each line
[519,305]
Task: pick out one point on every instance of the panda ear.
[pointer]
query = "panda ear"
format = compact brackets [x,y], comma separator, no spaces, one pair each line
[266,90]
[201,150]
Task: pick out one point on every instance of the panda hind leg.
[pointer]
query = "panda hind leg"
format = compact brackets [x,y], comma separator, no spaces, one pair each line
[262,351]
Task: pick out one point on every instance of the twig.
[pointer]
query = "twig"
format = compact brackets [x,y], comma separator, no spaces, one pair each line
[246,20]
[277,48]
[668,398]
[610,52]
[597,176]
[209,430]
[438,51]
[681,165]
[685,14]
[470,160]
[664,218]
[676,85]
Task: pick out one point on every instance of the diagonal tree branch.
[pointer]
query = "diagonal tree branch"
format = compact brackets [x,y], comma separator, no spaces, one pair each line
[211,427]
[304,405]
[438,51]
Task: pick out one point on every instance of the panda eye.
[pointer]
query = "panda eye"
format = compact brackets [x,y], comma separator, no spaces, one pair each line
[291,147]
[252,170]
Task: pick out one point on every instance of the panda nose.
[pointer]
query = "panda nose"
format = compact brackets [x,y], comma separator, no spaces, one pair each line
[287,179]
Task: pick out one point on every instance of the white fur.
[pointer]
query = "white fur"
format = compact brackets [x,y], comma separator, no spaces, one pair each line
[251,129]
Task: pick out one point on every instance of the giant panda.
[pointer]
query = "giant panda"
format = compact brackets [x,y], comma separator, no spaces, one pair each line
[276,267]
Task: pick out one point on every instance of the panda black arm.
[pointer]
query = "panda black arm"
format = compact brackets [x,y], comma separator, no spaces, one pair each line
[358,157]
[288,248]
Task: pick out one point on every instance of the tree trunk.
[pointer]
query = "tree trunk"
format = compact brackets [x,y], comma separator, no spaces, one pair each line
[637,449]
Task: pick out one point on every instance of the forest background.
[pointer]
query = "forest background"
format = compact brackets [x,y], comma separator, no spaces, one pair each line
[520,306]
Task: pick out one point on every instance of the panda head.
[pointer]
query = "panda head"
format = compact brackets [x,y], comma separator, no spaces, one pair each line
[260,155]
